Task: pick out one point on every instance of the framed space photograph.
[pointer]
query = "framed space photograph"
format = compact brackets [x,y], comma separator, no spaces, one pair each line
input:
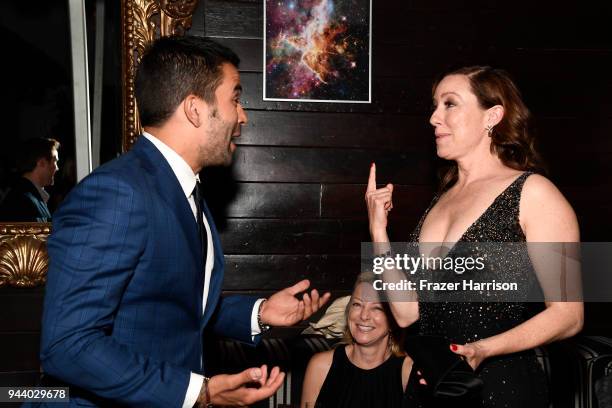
[318,51]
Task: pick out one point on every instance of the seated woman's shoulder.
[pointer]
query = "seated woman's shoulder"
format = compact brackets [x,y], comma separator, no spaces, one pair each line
[316,372]
[322,361]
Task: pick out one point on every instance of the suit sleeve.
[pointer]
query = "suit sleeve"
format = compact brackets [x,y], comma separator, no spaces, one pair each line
[232,318]
[98,237]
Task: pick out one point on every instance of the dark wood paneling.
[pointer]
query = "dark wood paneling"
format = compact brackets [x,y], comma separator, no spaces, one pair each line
[27,378]
[337,201]
[533,25]
[523,24]
[21,309]
[342,201]
[274,272]
[250,51]
[228,19]
[586,136]
[304,236]
[580,169]
[286,236]
[19,352]
[275,200]
[376,131]
[584,198]
[282,164]
[351,166]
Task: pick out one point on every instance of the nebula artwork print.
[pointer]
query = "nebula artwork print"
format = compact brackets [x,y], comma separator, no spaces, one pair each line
[317,50]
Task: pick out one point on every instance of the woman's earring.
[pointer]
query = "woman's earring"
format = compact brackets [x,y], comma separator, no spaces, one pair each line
[489,130]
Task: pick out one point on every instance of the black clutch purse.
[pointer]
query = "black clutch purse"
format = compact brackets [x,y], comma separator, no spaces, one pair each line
[445,372]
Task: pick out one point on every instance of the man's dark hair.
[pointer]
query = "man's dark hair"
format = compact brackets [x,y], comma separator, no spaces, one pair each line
[32,150]
[173,68]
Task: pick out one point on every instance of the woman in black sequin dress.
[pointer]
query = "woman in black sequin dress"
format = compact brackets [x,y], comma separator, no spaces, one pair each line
[490,194]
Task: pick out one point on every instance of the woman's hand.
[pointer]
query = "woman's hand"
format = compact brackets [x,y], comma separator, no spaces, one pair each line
[379,202]
[474,353]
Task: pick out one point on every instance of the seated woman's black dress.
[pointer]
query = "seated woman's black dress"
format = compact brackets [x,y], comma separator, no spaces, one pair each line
[514,380]
[348,386]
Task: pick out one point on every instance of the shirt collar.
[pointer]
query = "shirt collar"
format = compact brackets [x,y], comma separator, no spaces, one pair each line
[183,172]
[43,193]
[41,190]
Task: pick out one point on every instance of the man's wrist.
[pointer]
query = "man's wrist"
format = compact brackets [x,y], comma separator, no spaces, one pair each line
[204,400]
[263,327]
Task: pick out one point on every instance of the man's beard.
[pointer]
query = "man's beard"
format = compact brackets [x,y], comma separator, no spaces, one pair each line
[218,152]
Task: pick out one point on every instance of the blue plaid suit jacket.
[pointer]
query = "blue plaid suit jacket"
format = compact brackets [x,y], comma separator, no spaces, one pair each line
[123,321]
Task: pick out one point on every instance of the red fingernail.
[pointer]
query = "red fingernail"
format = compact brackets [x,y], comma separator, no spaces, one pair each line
[372,164]
[454,347]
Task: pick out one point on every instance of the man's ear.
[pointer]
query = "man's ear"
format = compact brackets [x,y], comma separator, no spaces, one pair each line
[42,162]
[195,110]
[495,115]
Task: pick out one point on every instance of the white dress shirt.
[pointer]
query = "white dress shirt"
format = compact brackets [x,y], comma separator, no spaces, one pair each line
[187,179]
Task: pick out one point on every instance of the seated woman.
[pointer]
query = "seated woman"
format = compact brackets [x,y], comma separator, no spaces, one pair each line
[371,370]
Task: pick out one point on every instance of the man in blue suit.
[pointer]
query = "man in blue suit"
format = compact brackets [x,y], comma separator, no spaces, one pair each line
[136,265]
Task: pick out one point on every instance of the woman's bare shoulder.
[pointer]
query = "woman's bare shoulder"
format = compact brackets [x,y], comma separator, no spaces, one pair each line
[539,190]
[539,184]
[322,360]
[545,212]
[316,372]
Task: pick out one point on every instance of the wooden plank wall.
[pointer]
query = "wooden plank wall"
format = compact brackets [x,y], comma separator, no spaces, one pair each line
[20,323]
[292,205]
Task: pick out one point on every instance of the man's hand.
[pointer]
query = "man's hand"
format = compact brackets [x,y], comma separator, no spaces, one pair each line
[284,309]
[244,388]
[379,202]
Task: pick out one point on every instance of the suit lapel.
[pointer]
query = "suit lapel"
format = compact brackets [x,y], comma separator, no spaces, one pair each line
[216,279]
[171,192]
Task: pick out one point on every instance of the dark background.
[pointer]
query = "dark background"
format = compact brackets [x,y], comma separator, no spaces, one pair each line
[292,206]
[37,95]
[37,89]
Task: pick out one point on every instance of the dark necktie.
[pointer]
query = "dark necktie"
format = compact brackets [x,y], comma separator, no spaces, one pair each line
[197,196]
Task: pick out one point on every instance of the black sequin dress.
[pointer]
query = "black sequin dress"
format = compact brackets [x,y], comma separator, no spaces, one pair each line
[515,380]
